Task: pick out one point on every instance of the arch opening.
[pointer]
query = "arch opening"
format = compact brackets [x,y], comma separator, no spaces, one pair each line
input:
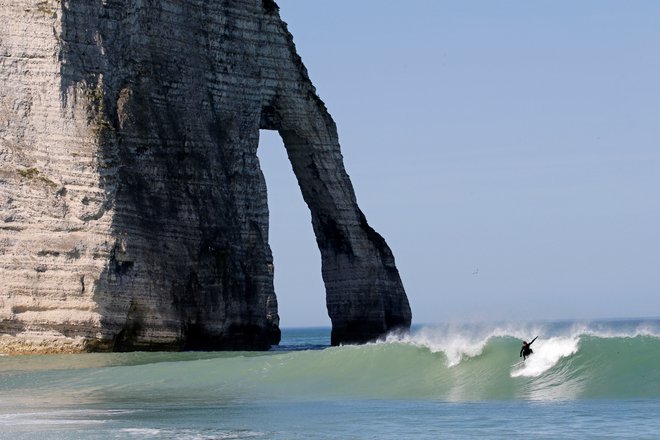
[298,282]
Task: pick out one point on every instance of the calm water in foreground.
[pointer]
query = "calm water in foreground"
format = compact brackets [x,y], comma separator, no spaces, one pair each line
[585,380]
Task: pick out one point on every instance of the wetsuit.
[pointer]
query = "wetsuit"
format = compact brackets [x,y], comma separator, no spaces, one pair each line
[526,350]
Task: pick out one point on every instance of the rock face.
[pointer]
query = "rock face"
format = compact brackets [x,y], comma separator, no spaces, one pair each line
[133,212]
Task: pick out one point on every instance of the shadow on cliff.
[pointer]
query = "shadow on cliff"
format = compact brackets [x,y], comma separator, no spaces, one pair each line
[188,265]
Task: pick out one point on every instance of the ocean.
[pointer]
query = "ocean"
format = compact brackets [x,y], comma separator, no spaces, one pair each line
[585,380]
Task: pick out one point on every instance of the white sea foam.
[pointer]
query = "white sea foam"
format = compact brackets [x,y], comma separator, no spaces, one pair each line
[546,355]
[556,340]
[458,342]
[620,331]
[142,432]
[454,346]
[73,417]
[191,434]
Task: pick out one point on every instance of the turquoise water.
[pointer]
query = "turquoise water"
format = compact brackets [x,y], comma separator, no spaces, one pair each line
[584,380]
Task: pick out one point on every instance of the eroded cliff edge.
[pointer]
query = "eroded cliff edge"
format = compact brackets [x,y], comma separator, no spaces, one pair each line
[133,212]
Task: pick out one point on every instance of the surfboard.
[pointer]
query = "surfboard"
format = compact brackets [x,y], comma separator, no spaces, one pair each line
[518,363]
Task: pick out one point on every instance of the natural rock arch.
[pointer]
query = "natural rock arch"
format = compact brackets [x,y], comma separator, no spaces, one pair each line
[135,185]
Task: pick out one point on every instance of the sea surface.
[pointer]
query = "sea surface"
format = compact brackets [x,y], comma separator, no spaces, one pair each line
[585,380]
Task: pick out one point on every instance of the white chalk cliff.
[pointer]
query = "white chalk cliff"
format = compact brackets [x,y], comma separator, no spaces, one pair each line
[133,211]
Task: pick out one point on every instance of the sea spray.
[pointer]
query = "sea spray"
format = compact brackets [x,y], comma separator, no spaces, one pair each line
[454,345]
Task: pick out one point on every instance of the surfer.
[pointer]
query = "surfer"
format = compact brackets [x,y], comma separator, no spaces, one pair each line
[526,350]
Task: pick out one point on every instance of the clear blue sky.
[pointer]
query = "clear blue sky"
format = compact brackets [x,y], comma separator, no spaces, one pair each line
[508,151]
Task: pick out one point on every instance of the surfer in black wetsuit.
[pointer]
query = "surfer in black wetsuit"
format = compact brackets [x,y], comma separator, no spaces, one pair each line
[526,350]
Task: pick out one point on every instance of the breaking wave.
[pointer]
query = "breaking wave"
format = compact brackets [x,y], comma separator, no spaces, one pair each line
[449,363]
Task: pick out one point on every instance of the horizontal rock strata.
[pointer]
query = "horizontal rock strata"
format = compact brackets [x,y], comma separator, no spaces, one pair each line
[133,211]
